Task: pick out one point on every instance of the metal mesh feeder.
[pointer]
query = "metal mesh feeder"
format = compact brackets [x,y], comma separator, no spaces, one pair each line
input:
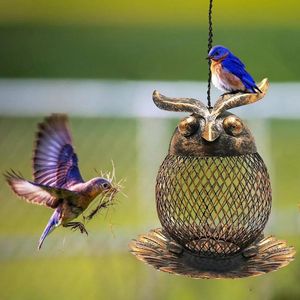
[213,206]
[213,197]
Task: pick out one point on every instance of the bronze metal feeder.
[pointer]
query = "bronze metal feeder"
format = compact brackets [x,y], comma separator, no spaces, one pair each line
[213,196]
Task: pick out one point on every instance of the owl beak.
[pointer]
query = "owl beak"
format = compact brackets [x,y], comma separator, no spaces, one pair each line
[210,133]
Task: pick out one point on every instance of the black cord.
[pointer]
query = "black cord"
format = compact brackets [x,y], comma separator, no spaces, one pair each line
[209,46]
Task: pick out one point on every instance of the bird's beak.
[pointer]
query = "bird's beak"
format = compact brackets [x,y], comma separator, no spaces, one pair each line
[208,57]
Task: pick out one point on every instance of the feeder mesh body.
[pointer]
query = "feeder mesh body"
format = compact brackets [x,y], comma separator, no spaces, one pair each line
[213,206]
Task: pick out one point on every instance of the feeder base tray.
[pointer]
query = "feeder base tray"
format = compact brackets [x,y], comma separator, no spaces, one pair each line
[158,249]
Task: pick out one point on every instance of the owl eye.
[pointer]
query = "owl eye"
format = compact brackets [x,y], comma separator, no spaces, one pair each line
[233,125]
[188,126]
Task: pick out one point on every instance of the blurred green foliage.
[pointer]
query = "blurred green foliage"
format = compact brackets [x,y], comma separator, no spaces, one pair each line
[152,12]
[165,40]
[167,53]
[285,144]
[121,276]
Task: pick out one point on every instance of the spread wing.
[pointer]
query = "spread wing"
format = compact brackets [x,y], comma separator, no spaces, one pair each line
[29,191]
[236,67]
[54,162]
[37,193]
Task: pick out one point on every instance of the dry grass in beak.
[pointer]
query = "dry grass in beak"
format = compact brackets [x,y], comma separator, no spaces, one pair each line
[108,198]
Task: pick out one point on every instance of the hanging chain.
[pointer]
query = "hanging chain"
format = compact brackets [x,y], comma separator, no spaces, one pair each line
[209,46]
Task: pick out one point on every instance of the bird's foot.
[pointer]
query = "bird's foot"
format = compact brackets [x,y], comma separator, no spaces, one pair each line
[225,94]
[104,204]
[233,92]
[77,225]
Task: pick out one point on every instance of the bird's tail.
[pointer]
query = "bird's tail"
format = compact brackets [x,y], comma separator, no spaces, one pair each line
[256,88]
[53,222]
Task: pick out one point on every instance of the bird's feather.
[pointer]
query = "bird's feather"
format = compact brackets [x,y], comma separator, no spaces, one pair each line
[55,163]
[52,224]
[30,192]
[233,65]
[236,60]
[37,193]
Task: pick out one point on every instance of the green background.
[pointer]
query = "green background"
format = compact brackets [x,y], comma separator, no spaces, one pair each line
[145,39]
[157,40]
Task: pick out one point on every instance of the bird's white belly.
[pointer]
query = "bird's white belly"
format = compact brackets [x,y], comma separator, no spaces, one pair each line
[219,83]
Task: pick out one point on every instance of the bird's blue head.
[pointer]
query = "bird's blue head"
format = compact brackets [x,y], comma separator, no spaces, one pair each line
[103,184]
[218,52]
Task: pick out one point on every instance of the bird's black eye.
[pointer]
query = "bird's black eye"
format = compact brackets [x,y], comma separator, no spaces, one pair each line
[217,53]
[105,185]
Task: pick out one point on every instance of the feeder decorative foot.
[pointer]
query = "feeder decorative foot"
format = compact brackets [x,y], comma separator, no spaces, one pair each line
[156,248]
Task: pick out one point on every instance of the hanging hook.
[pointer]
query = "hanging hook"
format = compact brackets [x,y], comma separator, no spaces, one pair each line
[209,46]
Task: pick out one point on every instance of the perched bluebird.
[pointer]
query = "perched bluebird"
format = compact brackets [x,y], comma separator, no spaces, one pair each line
[57,181]
[228,72]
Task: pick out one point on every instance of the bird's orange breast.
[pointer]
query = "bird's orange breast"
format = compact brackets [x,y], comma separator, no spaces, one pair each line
[216,67]
[227,77]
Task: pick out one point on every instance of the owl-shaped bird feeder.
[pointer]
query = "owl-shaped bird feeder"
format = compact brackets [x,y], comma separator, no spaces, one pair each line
[213,196]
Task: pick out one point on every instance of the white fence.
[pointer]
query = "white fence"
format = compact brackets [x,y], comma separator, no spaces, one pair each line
[128,98]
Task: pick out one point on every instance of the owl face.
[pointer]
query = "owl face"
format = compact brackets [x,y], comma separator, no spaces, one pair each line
[211,131]
[226,135]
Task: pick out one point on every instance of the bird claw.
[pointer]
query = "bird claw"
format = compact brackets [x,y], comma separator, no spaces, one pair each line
[96,210]
[233,93]
[77,225]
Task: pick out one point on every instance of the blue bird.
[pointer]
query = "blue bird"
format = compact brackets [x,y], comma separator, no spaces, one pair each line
[228,72]
[57,180]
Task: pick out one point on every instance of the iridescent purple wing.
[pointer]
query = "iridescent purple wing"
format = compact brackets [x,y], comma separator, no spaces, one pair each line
[54,162]
[37,193]
[29,191]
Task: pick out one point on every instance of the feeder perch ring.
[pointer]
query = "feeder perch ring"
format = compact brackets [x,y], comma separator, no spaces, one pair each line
[157,249]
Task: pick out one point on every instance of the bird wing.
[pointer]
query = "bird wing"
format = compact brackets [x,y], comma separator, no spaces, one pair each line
[30,192]
[37,193]
[54,162]
[233,65]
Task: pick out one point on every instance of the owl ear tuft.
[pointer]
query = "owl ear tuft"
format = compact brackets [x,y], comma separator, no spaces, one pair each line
[180,104]
[234,100]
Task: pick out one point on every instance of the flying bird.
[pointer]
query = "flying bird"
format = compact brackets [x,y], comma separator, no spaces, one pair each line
[228,72]
[57,180]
